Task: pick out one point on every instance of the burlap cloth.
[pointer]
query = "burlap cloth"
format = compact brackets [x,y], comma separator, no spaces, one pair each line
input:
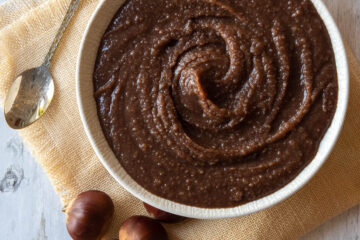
[59,144]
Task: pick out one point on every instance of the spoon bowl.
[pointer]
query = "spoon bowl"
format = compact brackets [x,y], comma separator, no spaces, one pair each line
[32,91]
[29,97]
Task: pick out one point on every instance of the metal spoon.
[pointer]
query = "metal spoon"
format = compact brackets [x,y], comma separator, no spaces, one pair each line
[32,91]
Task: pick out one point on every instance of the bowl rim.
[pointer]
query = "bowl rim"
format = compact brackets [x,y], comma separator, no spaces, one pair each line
[107,158]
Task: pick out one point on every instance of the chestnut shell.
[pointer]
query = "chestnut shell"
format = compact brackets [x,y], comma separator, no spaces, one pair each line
[88,215]
[142,228]
[162,215]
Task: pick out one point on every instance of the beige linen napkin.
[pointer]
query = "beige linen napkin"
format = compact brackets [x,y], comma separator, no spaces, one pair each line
[58,141]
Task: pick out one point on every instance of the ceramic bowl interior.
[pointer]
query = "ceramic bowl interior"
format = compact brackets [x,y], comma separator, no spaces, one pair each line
[87,106]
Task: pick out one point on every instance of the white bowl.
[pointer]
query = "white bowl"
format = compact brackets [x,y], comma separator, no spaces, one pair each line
[87,106]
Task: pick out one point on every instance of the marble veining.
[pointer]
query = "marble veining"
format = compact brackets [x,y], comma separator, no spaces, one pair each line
[12,179]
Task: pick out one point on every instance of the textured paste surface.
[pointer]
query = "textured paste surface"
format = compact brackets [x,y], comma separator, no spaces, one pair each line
[215,103]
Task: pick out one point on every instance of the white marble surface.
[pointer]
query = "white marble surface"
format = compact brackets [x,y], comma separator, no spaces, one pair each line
[30,209]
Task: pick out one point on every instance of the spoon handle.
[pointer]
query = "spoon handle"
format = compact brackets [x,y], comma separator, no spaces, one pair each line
[70,12]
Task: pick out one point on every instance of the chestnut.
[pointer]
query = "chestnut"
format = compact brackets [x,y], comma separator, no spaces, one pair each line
[89,215]
[142,228]
[162,215]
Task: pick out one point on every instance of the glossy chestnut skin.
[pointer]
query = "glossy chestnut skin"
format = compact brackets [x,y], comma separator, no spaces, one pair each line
[162,216]
[142,228]
[88,215]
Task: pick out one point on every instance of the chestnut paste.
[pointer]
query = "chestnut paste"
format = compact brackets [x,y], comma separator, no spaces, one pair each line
[215,103]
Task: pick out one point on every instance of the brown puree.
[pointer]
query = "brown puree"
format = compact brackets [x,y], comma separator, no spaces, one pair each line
[215,103]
